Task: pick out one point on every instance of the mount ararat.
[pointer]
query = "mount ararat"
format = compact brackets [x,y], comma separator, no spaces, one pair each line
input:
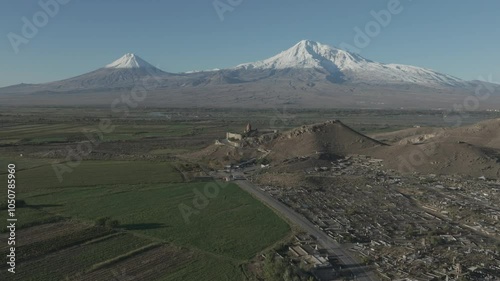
[309,74]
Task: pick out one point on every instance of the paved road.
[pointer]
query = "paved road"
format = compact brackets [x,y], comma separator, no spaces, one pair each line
[360,272]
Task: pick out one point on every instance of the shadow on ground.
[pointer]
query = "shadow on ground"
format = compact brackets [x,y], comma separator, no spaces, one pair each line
[140,226]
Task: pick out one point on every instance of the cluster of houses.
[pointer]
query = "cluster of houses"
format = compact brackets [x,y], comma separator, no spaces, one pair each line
[423,227]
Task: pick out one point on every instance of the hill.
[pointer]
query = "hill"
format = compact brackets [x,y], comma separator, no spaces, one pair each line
[331,139]
[471,150]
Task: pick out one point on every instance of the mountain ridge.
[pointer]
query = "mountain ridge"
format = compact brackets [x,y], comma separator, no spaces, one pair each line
[350,66]
[309,74]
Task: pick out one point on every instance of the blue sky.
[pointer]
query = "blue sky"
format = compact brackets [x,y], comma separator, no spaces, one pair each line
[456,37]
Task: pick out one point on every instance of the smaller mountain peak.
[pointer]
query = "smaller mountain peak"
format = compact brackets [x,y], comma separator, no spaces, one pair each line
[129,60]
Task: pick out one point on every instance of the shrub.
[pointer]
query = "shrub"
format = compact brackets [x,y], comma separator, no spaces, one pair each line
[101,221]
[106,222]
[20,203]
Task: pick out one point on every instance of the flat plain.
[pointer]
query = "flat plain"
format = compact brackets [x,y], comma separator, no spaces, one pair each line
[137,175]
[142,188]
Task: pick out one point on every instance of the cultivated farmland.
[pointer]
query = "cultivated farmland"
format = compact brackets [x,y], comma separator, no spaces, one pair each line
[141,188]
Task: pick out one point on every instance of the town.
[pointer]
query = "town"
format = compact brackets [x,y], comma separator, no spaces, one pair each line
[423,227]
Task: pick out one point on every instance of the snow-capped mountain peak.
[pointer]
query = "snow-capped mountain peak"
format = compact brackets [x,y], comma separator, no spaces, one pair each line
[307,54]
[129,60]
[346,66]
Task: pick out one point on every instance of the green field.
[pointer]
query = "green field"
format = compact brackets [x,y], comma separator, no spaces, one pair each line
[206,267]
[71,261]
[31,217]
[91,173]
[233,224]
[144,197]
[53,133]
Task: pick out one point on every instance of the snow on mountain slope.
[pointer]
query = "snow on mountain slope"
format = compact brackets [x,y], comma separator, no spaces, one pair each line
[349,66]
[308,75]
[126,72]
[129,60]
[306,54]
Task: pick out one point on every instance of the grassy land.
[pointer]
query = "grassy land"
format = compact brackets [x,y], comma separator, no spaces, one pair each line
[30,217]
[233,224]
[41,248]
[167,151]
[78,259]
[205,267]
[56,133]
[168,263]
[91,173]
[144,196]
